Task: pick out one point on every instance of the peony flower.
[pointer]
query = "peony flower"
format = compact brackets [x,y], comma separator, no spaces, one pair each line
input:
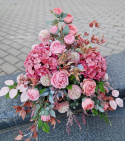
[69,39]
[63,107]
[44,36]
[115,93]
[54,30]
[45,118]
[75,57]
[58,11]
[106,106]
[75,92]
[72,29]
[45,80]
[68,19]
[88,104]
[57,48]
[33,94]
[60,79]
[94,65]
[88,87]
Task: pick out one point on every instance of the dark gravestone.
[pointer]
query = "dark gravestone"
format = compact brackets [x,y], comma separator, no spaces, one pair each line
[116,72]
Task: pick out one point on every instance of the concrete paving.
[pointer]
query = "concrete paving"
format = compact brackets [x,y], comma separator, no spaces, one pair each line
[22,20]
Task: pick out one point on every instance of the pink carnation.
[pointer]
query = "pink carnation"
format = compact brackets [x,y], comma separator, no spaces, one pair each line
[60,79]
[63,107]
[58,11]
[44,36]
[33,94]
[57,48]
[72,29]
[75,57]
[45,80]
[88,104]
[54,29]
[75,92]
[94,65]
[88,87]
[69,39]
[45,118]
[68,19]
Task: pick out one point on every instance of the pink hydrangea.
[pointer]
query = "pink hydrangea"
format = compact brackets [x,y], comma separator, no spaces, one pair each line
[72,29]
[35,45]
[69,39]
[68,19]
[44,36]
[60,80]
[75,92]
[58,11]
[63,107]
[40,62]
[88,104]
[75,57]
[54,30]
[57,48]
[94,65]
[33,94]
[88,87]
[45,118]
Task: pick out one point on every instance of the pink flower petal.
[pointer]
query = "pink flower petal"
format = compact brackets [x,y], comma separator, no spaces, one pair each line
[13,93]
[24,97]
[119,101]
[113,104]
[115,93]
[9,82]
[4,91]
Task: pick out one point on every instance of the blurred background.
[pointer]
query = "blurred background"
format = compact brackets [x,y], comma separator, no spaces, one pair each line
[22,20]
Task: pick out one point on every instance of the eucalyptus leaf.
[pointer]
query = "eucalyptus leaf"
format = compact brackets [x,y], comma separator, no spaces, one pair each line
[49,22]
[46,113]
[47,108]
[64,15]
[83,99]
[52,113]
[36,110]
[66,30]
[79,50]
[51,106]
[45,94]
[51,99]
[101,109]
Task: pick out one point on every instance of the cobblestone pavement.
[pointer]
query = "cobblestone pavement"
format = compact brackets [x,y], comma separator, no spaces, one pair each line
[22,20]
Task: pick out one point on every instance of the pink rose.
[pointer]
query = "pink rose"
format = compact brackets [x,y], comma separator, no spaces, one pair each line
[72,29]
[63,107]
[88,104]
[69,39]
[88,87]
[57,48]
[68,19]
[33,94]
[58,11]
[60,79]
[44,36]
[45,118]
[54,30]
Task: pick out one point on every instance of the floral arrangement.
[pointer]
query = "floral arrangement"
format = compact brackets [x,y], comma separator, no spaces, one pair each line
[63,72]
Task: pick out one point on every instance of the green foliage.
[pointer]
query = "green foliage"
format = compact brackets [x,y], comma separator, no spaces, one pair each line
[64,15]
[95,112]
[15,83]
[69,87]
[11,86]
[45,127]
[7,95]
[103,116]
[76,37]
[36,110]
[96,89]
[17,95]
[39,123]
[66,30]
[42,90]
[71,77]
[100,84]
